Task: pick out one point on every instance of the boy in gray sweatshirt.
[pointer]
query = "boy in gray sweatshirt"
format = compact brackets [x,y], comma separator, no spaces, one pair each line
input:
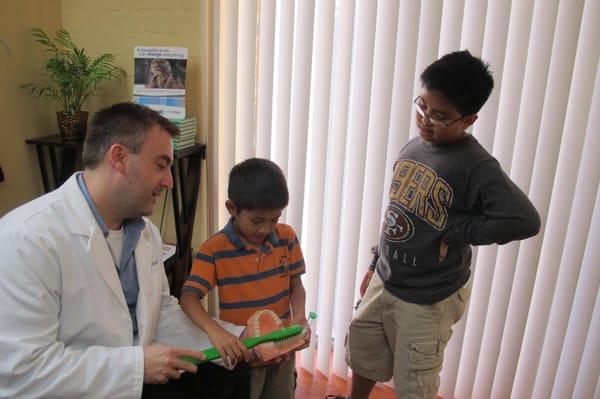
[447,194]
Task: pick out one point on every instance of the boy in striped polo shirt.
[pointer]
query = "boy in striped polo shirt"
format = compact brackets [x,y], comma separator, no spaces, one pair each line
[256,262]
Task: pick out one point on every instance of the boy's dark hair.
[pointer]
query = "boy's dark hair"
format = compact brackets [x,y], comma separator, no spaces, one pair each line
[123,123]
[463,79]
[257,183]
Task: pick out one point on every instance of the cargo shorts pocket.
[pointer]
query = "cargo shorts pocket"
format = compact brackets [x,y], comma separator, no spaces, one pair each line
[347,351]
[425,363]
[464,293]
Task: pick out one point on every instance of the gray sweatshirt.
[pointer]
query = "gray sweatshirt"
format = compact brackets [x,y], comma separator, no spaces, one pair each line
[455,192]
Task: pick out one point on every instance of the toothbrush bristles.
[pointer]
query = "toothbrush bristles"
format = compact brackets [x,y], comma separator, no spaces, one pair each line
[289,340]
[286,341]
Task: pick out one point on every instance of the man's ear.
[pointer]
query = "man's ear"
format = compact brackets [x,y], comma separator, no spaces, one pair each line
[116,155]
[231,208]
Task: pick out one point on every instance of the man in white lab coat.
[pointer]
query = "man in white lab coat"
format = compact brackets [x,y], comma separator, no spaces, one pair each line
[84,300]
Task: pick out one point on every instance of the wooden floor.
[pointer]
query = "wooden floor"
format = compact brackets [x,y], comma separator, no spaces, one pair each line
[317,386]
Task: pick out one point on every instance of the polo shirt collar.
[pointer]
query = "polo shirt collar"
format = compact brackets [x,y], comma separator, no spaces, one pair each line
[234,237]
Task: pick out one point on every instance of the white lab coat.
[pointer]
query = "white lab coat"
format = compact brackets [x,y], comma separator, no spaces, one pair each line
[65,329]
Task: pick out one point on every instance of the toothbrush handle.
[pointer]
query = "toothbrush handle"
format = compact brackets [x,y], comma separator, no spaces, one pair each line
[210,354]
[213,353]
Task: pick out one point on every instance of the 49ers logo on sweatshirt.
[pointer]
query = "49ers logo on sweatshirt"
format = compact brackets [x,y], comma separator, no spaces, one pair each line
[421,192]
[397,226]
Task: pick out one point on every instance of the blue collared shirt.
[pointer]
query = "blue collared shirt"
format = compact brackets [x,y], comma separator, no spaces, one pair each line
[126,268]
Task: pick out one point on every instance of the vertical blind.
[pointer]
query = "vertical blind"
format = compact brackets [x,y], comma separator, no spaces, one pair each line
[324,88]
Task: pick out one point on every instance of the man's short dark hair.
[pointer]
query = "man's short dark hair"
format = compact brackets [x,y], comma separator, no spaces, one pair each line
[123,123]
[257,183]
[463,79]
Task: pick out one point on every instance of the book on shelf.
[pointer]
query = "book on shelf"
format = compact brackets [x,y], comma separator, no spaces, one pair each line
[180,140]
[181,146]
[191,121]
[185,124]
[189,133]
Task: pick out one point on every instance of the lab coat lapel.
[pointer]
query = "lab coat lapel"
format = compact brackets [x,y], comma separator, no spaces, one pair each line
[84,224]
[143,259]
[103,260]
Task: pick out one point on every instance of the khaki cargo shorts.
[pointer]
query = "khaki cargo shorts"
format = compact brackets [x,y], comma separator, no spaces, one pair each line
[390,337]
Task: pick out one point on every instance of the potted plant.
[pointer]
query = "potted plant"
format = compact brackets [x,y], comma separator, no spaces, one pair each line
[70,78]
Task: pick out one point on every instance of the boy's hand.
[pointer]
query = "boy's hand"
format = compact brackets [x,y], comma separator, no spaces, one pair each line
[258,362]
[365,281]
[443,250]
[231,348]
[251,354]
[301,321]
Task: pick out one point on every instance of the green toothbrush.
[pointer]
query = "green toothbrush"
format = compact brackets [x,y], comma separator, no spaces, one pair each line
[277,335]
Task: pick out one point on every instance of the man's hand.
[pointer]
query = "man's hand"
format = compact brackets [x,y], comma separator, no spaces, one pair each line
[443,250]
[365,281]
[162,363]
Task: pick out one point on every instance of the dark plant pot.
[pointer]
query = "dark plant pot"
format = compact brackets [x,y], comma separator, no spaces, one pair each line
[72,126]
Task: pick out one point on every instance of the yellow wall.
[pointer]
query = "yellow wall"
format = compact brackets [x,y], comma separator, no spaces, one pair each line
[99,27]
[22,116]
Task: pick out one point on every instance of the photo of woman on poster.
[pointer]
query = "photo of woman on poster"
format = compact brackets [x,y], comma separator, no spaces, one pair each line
[162,76]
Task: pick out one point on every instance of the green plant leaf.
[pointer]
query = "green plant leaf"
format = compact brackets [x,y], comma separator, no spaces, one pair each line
[71,75]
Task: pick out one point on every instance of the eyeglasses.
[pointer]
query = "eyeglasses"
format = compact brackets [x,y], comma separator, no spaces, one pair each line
[443,123]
